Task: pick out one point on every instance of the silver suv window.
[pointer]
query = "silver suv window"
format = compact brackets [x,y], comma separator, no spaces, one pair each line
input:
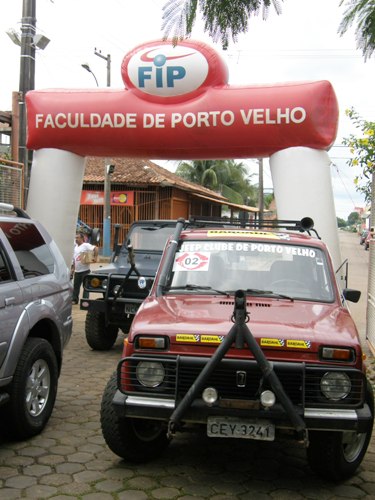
[5,274]
[32,252]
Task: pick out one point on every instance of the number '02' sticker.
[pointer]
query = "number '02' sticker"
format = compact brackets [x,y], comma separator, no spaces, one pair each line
[191,261]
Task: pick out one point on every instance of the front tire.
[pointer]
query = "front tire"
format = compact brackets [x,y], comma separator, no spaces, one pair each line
[99,336]
[33,390]
[337,455]
[134,440]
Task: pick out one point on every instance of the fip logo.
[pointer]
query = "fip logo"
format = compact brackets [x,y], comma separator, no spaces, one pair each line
[167,71]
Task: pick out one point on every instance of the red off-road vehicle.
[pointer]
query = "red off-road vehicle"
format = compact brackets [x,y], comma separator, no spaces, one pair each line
[247,334]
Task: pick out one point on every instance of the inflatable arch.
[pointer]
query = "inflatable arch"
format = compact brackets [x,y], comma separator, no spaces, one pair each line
[177,104]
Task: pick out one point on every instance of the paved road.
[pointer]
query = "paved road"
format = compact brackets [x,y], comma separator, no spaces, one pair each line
[70,459]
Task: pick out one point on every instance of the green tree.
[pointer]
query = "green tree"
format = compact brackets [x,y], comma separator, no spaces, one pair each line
[363,150]
[340,222]
[222,18]
[268,199]
[225,19]
[363,13]
[354,218]
[228,177]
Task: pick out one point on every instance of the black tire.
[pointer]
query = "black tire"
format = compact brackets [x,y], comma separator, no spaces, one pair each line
[99,336]
[95,236]
[32,391]
[134,440]
[337,455]
[126,324]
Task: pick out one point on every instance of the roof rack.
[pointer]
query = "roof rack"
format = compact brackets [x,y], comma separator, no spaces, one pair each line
[306,224]
[7,207]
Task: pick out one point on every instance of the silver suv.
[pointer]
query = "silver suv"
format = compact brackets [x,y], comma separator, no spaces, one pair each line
[35,319]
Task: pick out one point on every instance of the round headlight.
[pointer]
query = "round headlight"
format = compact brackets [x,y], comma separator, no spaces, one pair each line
[104,283]
[95,282]
[335,385]
[150,373]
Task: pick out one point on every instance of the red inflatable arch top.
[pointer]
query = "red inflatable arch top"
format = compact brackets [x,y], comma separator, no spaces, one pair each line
[177,104]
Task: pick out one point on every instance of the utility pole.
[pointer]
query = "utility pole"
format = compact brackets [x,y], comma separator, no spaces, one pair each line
[108,169]
[27,81]
[261,196]
[107,58]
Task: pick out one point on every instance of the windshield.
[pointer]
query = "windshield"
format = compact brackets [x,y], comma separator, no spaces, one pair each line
[299,272]
[151,238]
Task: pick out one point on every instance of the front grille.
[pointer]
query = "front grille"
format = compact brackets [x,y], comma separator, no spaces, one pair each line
[228,376]
[130,287]
[241,380]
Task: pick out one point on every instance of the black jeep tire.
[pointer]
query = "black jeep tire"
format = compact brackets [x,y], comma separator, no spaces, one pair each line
[99,336]
[32,391]
[126,324]
[337,455]
[135,440]
[95,236]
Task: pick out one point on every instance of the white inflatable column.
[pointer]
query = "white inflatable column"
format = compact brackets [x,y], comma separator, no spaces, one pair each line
[303,188]
[55,193]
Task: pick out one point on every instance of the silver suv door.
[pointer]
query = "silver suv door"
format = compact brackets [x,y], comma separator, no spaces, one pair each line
[11,303]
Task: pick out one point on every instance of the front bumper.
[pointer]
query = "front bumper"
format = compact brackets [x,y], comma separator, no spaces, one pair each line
[111,306]
[328,419]
[180,393]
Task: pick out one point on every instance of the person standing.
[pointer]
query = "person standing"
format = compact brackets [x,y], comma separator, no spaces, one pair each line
[84,253]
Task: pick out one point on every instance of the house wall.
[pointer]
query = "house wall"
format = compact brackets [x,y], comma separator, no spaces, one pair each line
[149,203]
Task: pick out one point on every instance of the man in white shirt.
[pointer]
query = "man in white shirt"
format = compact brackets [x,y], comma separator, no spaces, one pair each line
[80,265]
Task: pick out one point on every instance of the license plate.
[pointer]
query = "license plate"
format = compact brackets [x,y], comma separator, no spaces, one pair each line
[229,427]
[131,308]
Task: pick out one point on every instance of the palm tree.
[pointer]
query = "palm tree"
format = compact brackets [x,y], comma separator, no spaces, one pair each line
[364,12]
[228,177]
[199,171]
[223,18]
[228,18]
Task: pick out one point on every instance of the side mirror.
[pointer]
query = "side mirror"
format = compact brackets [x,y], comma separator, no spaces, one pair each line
[351,295]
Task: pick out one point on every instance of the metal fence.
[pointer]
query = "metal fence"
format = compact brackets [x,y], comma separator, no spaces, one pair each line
[11,183]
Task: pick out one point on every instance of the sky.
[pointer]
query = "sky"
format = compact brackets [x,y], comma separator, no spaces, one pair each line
[300,44]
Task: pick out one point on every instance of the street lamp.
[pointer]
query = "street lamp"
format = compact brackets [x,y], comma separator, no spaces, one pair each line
[29,41]
[87,68]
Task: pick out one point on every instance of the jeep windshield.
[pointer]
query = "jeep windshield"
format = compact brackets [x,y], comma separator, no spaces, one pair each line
[262,269]
[150,238]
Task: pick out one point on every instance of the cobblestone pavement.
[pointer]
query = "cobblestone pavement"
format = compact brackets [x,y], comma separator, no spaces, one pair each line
[70,459]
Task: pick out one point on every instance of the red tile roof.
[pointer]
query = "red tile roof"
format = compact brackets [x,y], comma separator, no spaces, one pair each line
[140,173]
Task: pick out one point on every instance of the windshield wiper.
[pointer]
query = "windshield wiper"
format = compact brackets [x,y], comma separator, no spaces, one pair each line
[190,286]
[257,291]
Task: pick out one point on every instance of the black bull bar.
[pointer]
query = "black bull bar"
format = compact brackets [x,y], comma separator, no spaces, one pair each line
[238,334]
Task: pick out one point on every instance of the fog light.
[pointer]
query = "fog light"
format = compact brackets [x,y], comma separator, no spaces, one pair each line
[268,399]
[210,396]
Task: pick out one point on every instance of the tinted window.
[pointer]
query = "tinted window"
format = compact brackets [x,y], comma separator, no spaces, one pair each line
[30,248]
[5,274]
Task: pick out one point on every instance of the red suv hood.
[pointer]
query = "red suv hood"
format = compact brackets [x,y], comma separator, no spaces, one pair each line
[274,323]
